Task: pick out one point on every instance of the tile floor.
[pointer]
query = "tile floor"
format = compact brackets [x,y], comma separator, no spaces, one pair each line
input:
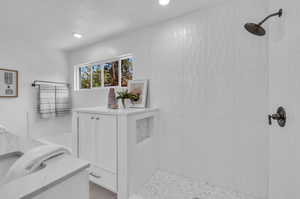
[164,185]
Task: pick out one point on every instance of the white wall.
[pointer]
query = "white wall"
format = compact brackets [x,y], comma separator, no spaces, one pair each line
[209,77]
[284,91]
[33,63]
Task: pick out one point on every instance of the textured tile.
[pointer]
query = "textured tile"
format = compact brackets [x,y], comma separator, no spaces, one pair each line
[164,185]
[205,73]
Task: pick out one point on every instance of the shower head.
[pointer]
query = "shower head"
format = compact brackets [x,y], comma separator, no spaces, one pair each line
[257,29]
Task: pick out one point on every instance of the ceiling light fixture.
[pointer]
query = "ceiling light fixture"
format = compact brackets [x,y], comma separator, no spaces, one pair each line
[77,35]
[164,2]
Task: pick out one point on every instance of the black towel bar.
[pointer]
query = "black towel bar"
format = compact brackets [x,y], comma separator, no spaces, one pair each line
[38,82]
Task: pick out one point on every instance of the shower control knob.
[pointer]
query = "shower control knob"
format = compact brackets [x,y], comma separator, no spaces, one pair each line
[280,116]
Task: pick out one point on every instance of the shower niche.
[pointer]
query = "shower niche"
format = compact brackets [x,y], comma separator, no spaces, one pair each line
[144,129]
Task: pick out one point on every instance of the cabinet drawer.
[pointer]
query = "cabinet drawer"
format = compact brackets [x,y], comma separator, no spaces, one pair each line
[103,178]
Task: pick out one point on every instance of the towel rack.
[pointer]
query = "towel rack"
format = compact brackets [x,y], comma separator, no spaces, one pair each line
[38,82]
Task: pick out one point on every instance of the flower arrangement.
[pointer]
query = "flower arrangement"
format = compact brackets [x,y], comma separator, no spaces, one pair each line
[123,95]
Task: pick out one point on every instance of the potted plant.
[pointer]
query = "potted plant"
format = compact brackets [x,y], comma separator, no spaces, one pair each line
[124,95]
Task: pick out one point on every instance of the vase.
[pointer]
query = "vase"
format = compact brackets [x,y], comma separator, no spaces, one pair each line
[112,101]
[124,103]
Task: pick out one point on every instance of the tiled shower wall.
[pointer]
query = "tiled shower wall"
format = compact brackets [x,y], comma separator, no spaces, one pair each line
[284,89]
[209,77]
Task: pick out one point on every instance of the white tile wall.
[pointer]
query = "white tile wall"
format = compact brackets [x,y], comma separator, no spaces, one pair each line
[284,84]
[209,77]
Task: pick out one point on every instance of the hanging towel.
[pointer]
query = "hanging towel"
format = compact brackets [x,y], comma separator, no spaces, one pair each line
[62,100]
[46,104]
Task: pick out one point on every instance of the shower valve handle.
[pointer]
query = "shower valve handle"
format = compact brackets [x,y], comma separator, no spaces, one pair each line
[270,119]
[280,116]
[274,117]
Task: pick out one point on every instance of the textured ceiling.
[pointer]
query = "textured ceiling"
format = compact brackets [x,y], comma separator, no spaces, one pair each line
[52,22]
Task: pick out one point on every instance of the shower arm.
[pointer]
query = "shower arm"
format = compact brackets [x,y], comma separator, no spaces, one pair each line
[279,14]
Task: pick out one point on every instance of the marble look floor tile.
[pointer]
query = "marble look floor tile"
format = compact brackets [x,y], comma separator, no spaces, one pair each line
[164,185]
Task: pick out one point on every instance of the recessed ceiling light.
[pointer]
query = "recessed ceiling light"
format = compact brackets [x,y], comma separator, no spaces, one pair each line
[77,35]
[164,2]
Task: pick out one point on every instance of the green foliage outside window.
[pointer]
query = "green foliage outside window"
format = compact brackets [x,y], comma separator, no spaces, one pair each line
[97,82]
[111,74]
[106,75]
[85,77]
[127,71]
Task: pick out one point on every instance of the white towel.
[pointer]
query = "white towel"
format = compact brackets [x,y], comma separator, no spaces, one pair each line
[62,100]
[54,101]
[32,160]
[47,101]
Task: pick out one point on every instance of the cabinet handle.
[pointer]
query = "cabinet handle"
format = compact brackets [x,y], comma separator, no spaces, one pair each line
[94,175]
[92,118]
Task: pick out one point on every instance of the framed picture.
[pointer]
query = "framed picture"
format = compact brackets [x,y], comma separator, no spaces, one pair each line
[8,83]
[140,88]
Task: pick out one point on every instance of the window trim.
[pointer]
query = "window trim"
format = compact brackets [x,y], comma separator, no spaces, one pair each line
[76,73]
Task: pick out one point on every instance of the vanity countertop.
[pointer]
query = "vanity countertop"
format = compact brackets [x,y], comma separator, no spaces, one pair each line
[56,170]
[106,111]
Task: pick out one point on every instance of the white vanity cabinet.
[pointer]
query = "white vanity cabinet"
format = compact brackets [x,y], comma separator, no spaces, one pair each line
[97,143]
[121,145]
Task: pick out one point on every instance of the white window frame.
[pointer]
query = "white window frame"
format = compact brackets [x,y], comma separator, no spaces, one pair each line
[77,73]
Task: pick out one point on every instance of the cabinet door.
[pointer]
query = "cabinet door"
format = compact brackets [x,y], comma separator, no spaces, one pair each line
[105,142]
[86,131]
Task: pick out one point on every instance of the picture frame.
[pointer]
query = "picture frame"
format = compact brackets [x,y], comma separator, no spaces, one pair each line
[139,87]
[9,81]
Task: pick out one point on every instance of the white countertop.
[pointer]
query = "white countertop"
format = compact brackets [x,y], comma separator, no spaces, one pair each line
[57,169]
[107,111]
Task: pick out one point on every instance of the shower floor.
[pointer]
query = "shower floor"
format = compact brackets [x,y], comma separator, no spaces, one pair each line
[164,185]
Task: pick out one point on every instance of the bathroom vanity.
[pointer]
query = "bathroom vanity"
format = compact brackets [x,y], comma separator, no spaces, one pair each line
[61,177]
[122,146]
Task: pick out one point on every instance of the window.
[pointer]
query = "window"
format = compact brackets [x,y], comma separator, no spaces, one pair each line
[85,77]
[126,71]
[113,73]
[97,76]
